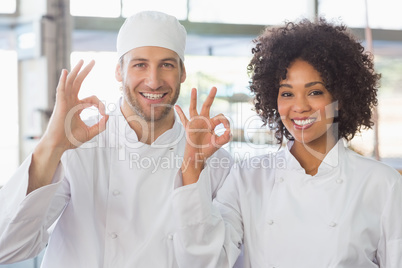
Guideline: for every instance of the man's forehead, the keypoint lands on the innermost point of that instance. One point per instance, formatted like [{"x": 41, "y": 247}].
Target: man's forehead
[{"x": 151, "y": 53}]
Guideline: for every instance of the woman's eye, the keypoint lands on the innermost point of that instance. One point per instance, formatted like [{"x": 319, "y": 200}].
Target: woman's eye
[
  {"x": 316, "y": 92},
  {"x": 286, "y": 94}
]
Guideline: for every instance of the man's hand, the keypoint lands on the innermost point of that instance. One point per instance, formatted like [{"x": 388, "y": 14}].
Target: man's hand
[
  {"x": 201, "y": 139},
  {"x": 65, "y": 130}
]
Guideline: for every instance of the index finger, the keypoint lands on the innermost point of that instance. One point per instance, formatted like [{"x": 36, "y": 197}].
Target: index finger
[
  {"x": 81, "y": 76},
  {"x": 208, "y": 102},
  {"x": 73, "y": 74},
  {"x": 193, "y": 103}
]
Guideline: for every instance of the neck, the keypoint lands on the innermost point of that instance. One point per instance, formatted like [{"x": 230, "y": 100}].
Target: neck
[{"x": 311, "y": 155}]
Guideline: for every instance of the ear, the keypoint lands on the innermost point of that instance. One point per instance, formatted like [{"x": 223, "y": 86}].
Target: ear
[
  {"x": 183, "y": 74},
  {"x": 118, "y": 73}
]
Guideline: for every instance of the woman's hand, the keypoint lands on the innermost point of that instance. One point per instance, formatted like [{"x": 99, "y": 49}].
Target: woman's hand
[{"x": 201, "y": 139}]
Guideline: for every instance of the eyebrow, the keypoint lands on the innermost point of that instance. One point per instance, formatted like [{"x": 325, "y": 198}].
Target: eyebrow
[
  {"x": 313, "y": 84},
  {"x": 138, "y": 59},
  {"x": 170, "y": 59},
  {"x": 306, "y": 85}
]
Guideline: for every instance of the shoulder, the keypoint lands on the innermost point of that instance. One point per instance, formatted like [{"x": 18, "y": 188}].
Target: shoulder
[
  {"x": 269, "y": 161},
  {"x": 221, "y": 153},
  {"x": 254, "y": 172},
  {"x": 221, "y": 159},
  {"x": 370, "y": 168}
]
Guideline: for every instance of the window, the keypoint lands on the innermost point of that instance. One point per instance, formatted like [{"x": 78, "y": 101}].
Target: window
[
  {"x": 389, "y": 115},
  {"x": 116, "y": 8},
  {"x": 8, "y": 6},
  {"x": 264, "y": 12},
  {"x": 106, "y": 88},
  {"x": 233, "y": 99},
  {"x": 381, "y": 13},
  {"x": 389, "y": 107},
  {"x": 9, "y": 115},
  {"x": 95, "y": 8},
  {"x": 177, "y": 8}
]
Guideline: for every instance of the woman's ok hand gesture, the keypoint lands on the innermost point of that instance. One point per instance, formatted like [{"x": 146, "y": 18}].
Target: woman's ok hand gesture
[{"x": 201, "y": 139}]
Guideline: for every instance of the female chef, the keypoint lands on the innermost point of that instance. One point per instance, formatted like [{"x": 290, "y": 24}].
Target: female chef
[{"x": 324, "y": 205}]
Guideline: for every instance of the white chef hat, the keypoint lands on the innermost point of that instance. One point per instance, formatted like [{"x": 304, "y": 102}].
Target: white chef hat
[{"x": 151, "y": 28}]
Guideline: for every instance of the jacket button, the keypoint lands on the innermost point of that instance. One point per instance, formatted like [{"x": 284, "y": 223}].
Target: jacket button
[
  {"x": 339, "y": 181},
  {"x": 332, "y": 224},
  {"x": 113, "y": 235}
]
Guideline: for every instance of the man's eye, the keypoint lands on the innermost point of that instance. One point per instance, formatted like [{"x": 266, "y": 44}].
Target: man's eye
[{"x": 168, "y": 65}]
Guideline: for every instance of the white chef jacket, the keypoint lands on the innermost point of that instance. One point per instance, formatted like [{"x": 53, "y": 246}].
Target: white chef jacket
[
  {"x": 348, "y": 215},
  {"x": 112, "y": 199}
]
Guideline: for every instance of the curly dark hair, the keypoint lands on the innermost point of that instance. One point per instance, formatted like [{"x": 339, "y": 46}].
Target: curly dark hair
[{"x": 346, "y": 69}]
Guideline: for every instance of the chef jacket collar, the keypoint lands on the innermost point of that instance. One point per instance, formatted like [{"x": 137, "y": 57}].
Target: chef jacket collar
[{"x": 330, "y": 161}]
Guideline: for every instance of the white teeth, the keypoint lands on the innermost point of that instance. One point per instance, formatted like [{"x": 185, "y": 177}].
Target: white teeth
[
  {"x": 304, "y": 122},
  {"x": 152, "y": 96}
]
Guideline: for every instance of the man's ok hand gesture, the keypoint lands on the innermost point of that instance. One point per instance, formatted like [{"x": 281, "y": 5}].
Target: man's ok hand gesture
[{"x": 65, "y": 130}]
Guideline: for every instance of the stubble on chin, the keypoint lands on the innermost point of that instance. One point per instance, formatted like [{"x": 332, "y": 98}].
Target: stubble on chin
[{"x": 156, "y": 113}]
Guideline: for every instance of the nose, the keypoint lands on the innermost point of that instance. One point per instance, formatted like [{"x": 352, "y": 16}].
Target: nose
[
  {"x": 301, "y": 105},
  {"x": 154, "y": 78}
]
